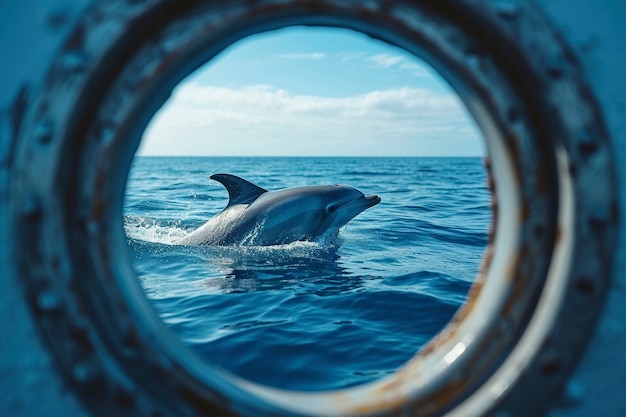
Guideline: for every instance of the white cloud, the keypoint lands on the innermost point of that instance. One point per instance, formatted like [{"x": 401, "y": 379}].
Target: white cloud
[
  {"x": 385, "y": 60},
  {"x": 263, "y": 120},
  {"x": 350, "y": 56},
  {"x": 312, "y": 56},
  {"x": 416, "y": 69}
]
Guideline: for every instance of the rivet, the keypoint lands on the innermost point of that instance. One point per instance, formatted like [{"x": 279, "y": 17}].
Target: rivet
[
  {"x": 555, "y": 68},
  {"x": 473, "y": 60},
  {"x": 43, "y": 131},
  {"x": 31, "y": 209},
  {"x": 74, "y": 61},
  {"x": 79, "y": 334},
  {"x": 131, "y": 339},
  {"x": 88, "y": 226},
  {"x": 584, "y": 285},
  {"x": 507, "y": 9},
  {"x": 49, "y": 301},
  {"x": 105, "y": 131},
  {"x": 551, "y": 366},
  {"x": 573, "y": 395},
  {"x": 512, "y": 115},
  {"x": 56, "y": 19},
  {"x": 123, "y": 398},
  {"x": 598, "y": 217},
  {"x": 84, "y": 372},
  {"x": 586, "y": 142}
]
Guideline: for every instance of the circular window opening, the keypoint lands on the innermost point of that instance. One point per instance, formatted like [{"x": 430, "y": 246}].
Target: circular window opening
[{"x": 309, "y": 107}]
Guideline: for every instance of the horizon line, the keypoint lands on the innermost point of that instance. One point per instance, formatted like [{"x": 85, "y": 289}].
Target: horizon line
[{"x": 310, "y": 156}]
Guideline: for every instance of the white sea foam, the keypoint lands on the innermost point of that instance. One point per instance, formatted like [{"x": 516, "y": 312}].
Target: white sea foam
[{"x": 151, "y": 230}]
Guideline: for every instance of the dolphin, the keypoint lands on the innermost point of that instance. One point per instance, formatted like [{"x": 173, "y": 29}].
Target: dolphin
[{"x": 255, "y": 216}]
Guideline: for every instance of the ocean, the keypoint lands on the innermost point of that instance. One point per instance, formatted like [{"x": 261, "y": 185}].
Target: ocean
[{"x": 311, "y": 315}]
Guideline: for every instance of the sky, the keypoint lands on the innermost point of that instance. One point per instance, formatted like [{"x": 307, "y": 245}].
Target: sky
[{"x": 313, "y": 92}]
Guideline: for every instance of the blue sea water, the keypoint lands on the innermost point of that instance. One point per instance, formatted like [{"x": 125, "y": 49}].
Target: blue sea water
[{"x": 309, "y": 316}]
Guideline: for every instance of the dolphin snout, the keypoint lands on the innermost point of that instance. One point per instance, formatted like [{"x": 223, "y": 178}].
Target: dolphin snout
[{"x": 372, "y": 200}]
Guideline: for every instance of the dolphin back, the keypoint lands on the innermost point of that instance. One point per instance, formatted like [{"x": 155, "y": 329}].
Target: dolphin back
[{"x": 239, "y": 190}]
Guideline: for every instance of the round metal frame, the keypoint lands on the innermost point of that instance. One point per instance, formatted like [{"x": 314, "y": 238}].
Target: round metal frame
[{"x": 509, "y": 349}]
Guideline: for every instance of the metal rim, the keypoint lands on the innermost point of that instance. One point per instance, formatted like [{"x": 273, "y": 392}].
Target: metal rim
[{"x": 550, "y": 254}]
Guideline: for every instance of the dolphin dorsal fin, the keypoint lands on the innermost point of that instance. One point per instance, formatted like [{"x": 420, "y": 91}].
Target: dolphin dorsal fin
[{"x": 239, "y": 190}]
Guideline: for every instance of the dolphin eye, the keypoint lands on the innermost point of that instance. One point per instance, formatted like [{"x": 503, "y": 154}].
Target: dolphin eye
[{"x": 331, "y": 208}]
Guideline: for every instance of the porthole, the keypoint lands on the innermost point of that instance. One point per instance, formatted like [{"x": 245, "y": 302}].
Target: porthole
[
  {"x": 324, "y": 308},
  {"x": 551, "y": 245}
]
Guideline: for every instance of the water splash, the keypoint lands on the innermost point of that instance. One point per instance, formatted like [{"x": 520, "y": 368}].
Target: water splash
[
  {"x": 153, "y": 230},
  {"x": 169, "y": 232},
  {"x": 250, "y": 238},
  {"x": 217, "y": 228}
]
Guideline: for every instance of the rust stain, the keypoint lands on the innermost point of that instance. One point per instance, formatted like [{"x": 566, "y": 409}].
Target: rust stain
[
  {"x": 519, "y": 280},
  {"x": 443, "y": 398},
  {"x": 494, "y": 202},
  {"x": 525, "y": 211},
  {"x": 487, "y": 258}
]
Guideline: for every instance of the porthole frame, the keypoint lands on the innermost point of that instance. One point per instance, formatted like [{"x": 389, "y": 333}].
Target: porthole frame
[{"x": 534, "y": 303}]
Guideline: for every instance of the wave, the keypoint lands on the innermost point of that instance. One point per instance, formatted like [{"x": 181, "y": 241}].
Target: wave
[{"x": 366, "y": 173}]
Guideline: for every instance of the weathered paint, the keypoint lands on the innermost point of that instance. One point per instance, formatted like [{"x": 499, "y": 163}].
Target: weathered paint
[{"x": 79, "y": 39}]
